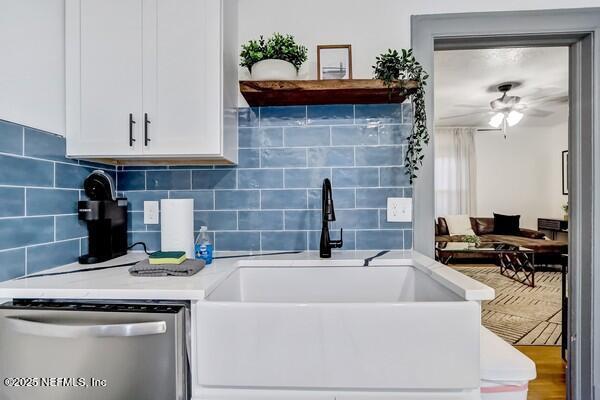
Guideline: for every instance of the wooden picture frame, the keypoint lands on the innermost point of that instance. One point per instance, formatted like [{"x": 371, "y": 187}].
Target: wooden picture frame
[
  {"x": 565, "y": 172},
  {"x": 348, "y": 74}
]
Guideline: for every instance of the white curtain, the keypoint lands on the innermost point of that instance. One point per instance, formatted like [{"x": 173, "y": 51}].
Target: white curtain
[{"x": 455, "y": 171}]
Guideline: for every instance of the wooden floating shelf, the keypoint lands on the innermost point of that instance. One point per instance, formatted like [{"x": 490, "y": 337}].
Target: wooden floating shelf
[{"x": 334, "y": 91}]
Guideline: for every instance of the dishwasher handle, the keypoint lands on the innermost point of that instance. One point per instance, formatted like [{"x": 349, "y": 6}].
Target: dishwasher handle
[{"x": 45, "y": 329}]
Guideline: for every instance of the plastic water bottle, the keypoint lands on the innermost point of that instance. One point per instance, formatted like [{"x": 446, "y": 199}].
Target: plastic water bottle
[{"x": 203, "y": 246}]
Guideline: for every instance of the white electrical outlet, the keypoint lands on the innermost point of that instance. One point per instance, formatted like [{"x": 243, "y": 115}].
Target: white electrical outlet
[
  {"x": 399, "y": 209},
  {"x": 150, "y": 212}
]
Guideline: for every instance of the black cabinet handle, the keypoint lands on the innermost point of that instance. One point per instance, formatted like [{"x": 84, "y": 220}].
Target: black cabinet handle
[
  {"x": 146, "y": 123},
  {"x": 131, "y": 122}
]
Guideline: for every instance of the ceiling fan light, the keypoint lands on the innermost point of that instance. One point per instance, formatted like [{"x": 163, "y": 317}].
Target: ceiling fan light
[
  {"x": 496, "y": 120},
  {"x": 514, "y": 117}
]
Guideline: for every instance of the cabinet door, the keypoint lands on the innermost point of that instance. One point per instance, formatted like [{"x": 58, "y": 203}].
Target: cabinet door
[
  {"x": 104, "y": 58},
  {"x": 182, "y": 81}
]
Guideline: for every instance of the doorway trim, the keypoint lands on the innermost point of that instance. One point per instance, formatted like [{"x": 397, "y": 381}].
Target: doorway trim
[{"x": 580, "y": 30}]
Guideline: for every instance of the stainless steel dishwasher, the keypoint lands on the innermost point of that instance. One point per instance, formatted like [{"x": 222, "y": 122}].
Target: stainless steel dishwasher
[{"x": 92, "y": 351}]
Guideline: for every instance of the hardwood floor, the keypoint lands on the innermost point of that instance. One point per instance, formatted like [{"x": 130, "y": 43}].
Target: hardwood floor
[{"x": 550, "y": 382}]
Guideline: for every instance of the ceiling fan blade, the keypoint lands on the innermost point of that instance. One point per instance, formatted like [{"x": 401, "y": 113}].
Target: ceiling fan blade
[
  {"x": 471, "y": 114},
  {"x": 562, "y": 99},
  {"x": 472, "y": 106},
  {"x": 536, "y": 112}
]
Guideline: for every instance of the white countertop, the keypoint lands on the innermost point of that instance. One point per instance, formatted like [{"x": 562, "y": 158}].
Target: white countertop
[{"x": 117, "y": 283}]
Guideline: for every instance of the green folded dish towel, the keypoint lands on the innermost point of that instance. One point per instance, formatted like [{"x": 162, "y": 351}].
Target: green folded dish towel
[{"x": 187, "y": 268}]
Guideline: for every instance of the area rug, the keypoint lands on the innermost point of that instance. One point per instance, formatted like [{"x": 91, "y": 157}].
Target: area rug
[{"x": 519, "y": 314}]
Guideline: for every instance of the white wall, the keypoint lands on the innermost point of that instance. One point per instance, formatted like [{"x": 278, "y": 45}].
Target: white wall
[
  {"x": 32, "y": 40},
  {"x": 371, "y": 26},
  {"x": 32, "y": 76},
  {"x": 522, "y": 173}
]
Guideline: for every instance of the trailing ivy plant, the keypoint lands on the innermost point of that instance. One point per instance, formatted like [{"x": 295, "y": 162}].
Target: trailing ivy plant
[
  {"x": 278, "y": 46},
  {"x": 391, "y": 67}
]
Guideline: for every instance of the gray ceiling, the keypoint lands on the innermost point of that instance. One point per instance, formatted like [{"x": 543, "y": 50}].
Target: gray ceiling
[{"x": 465, "y": 82}]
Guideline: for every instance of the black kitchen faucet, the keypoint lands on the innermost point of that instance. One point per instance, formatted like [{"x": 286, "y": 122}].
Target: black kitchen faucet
[{"x": 328, "y": 214}]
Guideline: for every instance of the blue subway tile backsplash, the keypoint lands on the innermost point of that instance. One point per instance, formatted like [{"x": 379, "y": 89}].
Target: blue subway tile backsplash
[
  {"x": 260, "y": 137},
  {"x": 356, "y": 177},
  {"x": 331, "y": 156},
  {"x": 283, "y": 157},
  {"x": 248, "y": 117},
  {"x": 354, "y": 135},
  {"x": 166, "y": 180},
  {"x": 11, "y": 138},
  {"x": 132, "y": 180},
  {"x": 283, "y": 199},
  {"x": 289, "y": 240},
  {"x": 260, "y": 220},
  {"x": 51, "y": 201},
  {"x": 260, "y": 178},
  {"x": 305, "y": 177},
  {"x": 306, "y": 136},
  {"x": 203, "y": 199},
  {"x": 39, "y": 144},
  {"x": 237, "y": 199},
  {"x": 22, "y": 232},
  {"x": 18, "y": 171},
  {"x": 39, "y": 190},
  {"x": 379, "y": 156},
  {"x": 374, "y": 239},
  {"x": 249, "y": 158},
  {"x": 12, "y": 202},
  {"x": 282, "y": 116},
  {"x": 52, "y": 254},
  {"x": 214, "y": 179},
  {"x": 376, "y": 197},
  {"x": 272, "y": 199},
  {"x": 303, "y": 220},
  {"x": 217, "y": 220},
  {"x": 72, "y": 176},
  {"x": 69, "y": 227},
  {"x": 343, "y": 198},
  {"x": 237, "y": 240},
  {"x": 330, "y": 114},
  {"x": 379, "y": 113},
  {"x": 12, "y": 264}
]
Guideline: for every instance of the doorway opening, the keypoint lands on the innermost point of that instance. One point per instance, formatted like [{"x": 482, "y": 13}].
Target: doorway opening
[
  {"x": 501, "y": 200},
  {"x": 575, "y": 29}
]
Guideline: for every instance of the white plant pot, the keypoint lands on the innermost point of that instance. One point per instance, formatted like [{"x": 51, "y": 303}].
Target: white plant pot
[{"x": 273, "y": 70}]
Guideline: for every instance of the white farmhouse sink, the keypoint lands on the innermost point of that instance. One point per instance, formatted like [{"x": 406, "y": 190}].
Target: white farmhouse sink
[
  {"x": 329, "y": 285},
  {"x": 342, "y": 328}
]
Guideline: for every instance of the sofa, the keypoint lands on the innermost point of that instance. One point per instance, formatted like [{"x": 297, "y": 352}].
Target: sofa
[{"x": 546, "y": 251}]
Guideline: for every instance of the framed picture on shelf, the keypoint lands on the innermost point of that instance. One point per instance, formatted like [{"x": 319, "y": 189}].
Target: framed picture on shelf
[
  {"x": 334, "y": 61},
  {"x": 565, "y": 172}
]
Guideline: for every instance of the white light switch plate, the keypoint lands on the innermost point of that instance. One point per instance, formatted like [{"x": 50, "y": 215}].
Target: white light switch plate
[
  {"x": 399, "y": 209},
  {"x": 150, "y": 212}
]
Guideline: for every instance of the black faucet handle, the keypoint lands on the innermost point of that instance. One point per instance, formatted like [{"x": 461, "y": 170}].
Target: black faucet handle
[{"x": 337, "y": 244}]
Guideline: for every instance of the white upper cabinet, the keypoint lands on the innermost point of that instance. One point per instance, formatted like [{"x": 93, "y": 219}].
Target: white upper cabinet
[
  {"x": 107, "y": 84},
  {"x": 152, "y": 80}
]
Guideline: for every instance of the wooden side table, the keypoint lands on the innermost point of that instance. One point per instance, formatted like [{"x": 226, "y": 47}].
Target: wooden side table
[{"x": 553, "y": 225}]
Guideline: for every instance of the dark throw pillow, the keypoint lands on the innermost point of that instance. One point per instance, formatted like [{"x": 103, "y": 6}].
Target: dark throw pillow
[{"x": 506, "y": 224}]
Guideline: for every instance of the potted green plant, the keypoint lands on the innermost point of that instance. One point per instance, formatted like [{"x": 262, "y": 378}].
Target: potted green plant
[
  {"x": 276, "y": 58},
  {"x": 472, "y": 240},
  {"x": 391, "y": 67}
]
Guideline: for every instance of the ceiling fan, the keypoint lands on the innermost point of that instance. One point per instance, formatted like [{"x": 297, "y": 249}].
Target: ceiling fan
[{"x": 508, "y": 110}]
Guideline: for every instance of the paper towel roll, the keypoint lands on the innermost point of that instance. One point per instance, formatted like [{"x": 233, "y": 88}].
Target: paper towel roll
[{"x": 177, "y": 225}]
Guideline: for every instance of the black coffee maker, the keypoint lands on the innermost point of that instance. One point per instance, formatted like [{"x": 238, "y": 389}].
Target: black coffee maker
[{"x": 106, "y": 218}]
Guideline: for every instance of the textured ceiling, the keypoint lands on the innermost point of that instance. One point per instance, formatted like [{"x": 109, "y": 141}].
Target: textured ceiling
[{"x": 465, "y": 82}]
